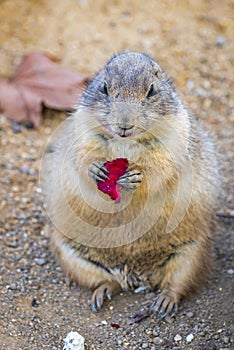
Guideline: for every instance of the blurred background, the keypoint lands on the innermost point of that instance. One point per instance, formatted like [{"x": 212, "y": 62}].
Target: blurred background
[
  {"x": 191, "y": 39},
  {"x": 84, "y": 33}
]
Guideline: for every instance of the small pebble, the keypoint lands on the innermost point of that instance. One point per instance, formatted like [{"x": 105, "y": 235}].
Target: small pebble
[
  {"x": 104, "y": 322},
  {"x": 144, "y": 345},
  {"x": 35, "y": 303},
  {"x": 25, "y": 200},
  {"x": 221, "y": 41},
  {"x": 155, "y": 333},
  {"x": 177, "y": 338},
  {"x": 25, "y": 169},
  {"x": 13, "y": 286},
  {"x": 13, "y": 244},
  {"x": 226, "y": 340},
  {"x": 73, "y": 341},
  {"x": 190, "y": 84},
  {"x": 16, "y": 127},
  {"x": 230, "y": 271},
  {"x": 189, "y": 338},
  {"x": 189, "y": 314},
  {"x": 157, "y": 341},
  {"x": 6, "y": 181},
  {"x": 118, "y": 342},
  {"x": 40, "y": 261},
  {"x": 200, "y": 92}
]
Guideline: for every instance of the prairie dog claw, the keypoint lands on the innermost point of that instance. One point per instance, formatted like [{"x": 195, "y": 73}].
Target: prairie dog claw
[
  {"x": 131, "y": 179},
  {"x": 104, "y": 291},
  {"x": 98, "y": 172},
  {"x": 165, "y": 304}
]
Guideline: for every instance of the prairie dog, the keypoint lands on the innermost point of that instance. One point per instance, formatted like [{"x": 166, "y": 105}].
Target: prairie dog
[{"x": 159, "y": 236}]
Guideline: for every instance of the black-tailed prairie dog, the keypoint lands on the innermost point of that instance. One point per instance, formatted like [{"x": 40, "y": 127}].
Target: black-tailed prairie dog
[{"x": 158, "y": 235}]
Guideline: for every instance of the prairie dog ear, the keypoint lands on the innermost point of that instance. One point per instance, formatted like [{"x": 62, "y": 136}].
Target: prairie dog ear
[
  {"x": 157, "y": 71},
  {"x": 158, "y": 74}
]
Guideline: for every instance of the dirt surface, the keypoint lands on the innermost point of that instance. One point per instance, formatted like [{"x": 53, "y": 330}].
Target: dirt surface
[{"x": 193, "y": 42}]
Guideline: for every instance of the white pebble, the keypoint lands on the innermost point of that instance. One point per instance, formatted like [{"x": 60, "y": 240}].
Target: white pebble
[
  {"x": 189, "y": 338},
  {"x": 104, "y": 322},
  {"x": 40, "y": 261},
  {"x": 230, "y": 271},
  {"x": 177, "y": 337},
  {"x": 73, "y": 341},
  {"x": 190, "y": 84}
]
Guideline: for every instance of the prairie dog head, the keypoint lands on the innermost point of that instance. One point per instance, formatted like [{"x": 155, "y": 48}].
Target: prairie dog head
[{"x": 130, "y": 96}]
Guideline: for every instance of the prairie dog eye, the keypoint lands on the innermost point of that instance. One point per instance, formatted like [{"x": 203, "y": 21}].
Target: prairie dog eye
[
  {"x": 104, "y": 89},
  {"x": 152, "y": 91}
]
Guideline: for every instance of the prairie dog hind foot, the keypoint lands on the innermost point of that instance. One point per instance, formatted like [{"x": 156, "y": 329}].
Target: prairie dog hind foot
[{"x": 105, "y": 291}]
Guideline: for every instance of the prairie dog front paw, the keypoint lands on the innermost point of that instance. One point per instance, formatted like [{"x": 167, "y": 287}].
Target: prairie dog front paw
[
  {"x": 98, "y": 172},
  {"x": 131, "y": 179}
]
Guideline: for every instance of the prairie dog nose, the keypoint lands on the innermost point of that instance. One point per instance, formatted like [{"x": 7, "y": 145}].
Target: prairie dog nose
[{"x": 125, "y": 127}]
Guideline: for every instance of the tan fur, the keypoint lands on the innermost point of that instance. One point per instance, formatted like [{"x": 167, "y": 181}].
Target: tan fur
[{"x": 176, "y": 197}]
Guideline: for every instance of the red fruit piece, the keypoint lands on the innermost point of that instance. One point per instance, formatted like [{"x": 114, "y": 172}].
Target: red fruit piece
[
  {"x": 116, "y": 168},
  {"x": 115, "y": 325}
]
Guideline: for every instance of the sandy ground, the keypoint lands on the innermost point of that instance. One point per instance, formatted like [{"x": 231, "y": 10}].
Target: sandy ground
[{"x": 193, "y": 42}]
